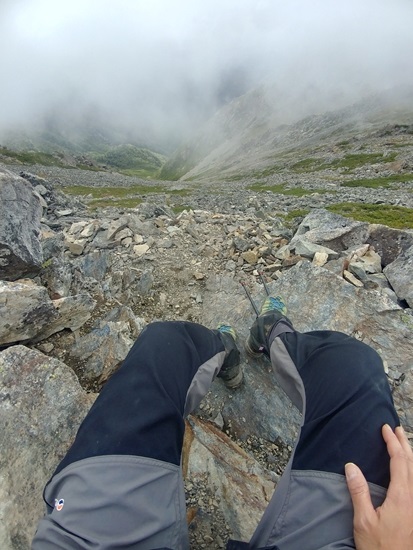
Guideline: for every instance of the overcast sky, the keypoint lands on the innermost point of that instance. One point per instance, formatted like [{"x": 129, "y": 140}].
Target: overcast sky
[{"x": 166, "y": 64}]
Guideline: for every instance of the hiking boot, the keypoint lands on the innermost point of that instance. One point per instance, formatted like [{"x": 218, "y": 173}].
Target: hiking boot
[
  {"x": 273, "y": 311},
  {"x": 231, "y": 372}
]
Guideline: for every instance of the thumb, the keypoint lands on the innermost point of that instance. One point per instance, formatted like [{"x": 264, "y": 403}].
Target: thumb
[{"x": 359, "y": 491}]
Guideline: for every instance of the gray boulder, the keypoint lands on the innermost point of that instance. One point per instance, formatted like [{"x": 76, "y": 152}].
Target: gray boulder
[
  {"x": 103, "y": 349},
  {"x": 388, "y": 242},
  {"x": 57, "y": 277},
  {"x": 307, "y": 249},
  {"x": 320, "y": 300},
  {"x": 28, "y": 314},
  {"x": 72, "y": 313},
  {"x": 25, "y": 310},
  {"x": 52, "y": 244},
  {"x": 403, "y": 396},
  {"x": 331, "y": 230},
  {"x": 94, "y": 265},
  {"x": 41, "y": 408},
  {"x": 20, "y": 214},
  {"x": 400, "y": 275}
]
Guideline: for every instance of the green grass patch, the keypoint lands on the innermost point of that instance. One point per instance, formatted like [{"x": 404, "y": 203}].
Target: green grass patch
[
  {"x": 267, "y": 172},
  {"x": 116, "y": 203},
  {"x": 370, "y": 183},
  {"x": 122, "y": 192},
  {"x": 384, "y": 182},
  {"x": 392, "y": 216},
  {"x": 178, "y": 208},
  {"x": 308, "y": 165},
  {"x": 355, "y": 160},
  {"x": 31, "y": 157},
  {"x": 140, "y": 173},
  {"x": 293, "y": 214},
  {"x": 129, "y": 157},
  {"x": 86, "y": 167},
  {"x": 237, "y": 177},
  {"x": 44, "y": 159},
  {"x": 349, "y": 162},
  {"x": 400, "y": 145},
  {"x": 282, "y": 190}
]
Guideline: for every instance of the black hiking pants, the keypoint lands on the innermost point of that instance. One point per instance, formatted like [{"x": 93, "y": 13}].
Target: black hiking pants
[{"x": 120, "y": 484}]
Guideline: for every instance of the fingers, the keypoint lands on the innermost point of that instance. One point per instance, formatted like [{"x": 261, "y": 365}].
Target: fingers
[
  {"x": 359, "y": 492},
  {"x": 397, "y": 442},
  {"x": 401, "y": 460},
  {"x": 404, "y": 442}
]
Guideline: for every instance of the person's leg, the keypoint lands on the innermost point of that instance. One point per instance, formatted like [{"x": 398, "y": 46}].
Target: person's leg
[
  {"x": 120, "y": 484},
  {"x": 339, "y": 385}
]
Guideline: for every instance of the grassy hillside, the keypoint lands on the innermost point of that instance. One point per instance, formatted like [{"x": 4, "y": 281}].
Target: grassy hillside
[
  {"x": 131, "y": 160},
  {"x": 126, "y": 159}
]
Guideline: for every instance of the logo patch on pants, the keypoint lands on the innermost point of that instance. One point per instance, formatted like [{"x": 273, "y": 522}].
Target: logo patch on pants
[{"x": 59, "y": 503}]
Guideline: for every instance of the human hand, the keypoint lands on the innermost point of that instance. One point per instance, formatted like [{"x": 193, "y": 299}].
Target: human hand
[{"x": 390, "y": 526}]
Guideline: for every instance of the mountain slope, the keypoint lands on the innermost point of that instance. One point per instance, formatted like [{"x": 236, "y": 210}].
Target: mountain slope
[{"x": 252, "y": 134}]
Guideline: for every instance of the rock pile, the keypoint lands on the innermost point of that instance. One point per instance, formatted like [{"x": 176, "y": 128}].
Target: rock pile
[{"x": 76, "y": 289}]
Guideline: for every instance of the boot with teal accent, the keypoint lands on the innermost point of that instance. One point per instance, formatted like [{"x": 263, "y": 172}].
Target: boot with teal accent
[
  {"x": 273, "y": 311},
  {"x": 231, "y": 372}
]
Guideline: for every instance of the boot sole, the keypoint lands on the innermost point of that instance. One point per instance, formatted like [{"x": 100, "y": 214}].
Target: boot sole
[
  {"x": 235, "y": 382},
  {"x": 251, "y": 352}
]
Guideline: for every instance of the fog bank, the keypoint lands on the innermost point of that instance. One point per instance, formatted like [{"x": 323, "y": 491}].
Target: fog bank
[{"x": 158, "y": 69}]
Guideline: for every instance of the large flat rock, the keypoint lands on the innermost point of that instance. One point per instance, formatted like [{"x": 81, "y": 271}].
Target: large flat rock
[
  {"x": 317, "y": 299},
  {"x": 234, "y": 478},
  {"x": 41, "y": 408}
]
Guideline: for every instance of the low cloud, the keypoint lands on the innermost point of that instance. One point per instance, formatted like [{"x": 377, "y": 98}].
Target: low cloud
[{"x": 159, "y": 68}]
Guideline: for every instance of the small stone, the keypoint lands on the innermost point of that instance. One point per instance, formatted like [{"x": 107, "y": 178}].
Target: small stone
[
  {"x": 291, "y": 260},
  {"x": 358, "y": 270},
  {"x": 199, "y": 276},
  {"x": 283, "y": 253},
  {"x": 320, "y": 259},
  {"x": 76, "y": 248},
  {"x": 124, "y": 233},
  {"x": 89, "y": 230},
  {"x": 361, "y": 250},
  {"x": 352, "y": 279},
  {"x": 145, "y": 283},
  {"x": 77, "y": 227},
  {"x": 372, "y": 262},
  {"x": 46, "y": 347},
  {"x": 115, "y": 227},
  {"x": 166, "y": 243},
  {"x": 250, "y": 256},
  {"x": 62, "y": 213},
  {"x": 272, "y": 267},
  {"x": 138, "y": 239},
  {"x": 41, "y": 189},
  {"x": 219, "y": 421},
  {"x": 230, "y": 265},
  {"x": 140, "y": 249},
  {"x": 171, "y": 229}
]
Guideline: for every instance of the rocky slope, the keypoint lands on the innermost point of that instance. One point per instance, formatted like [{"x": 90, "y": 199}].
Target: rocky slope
[
  {"x": 78, "y": 285},
  {"x": 258, "y": 135}
]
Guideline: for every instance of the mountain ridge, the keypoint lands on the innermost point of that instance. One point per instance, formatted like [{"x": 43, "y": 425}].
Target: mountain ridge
[{"x": 247, "y": 134}]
